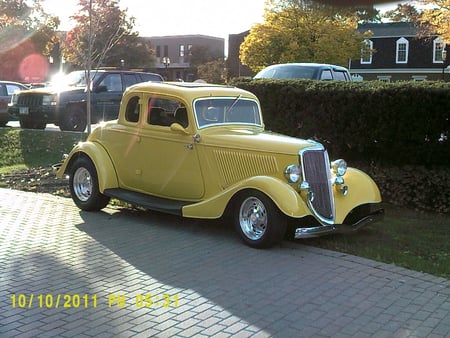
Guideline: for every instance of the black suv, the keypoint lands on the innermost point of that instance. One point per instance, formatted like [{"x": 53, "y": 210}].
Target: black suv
[{"x": 64, "y": 102}]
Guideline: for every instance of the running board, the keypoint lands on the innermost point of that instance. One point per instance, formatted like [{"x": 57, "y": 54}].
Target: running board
[{"x": 148, "y": 202}]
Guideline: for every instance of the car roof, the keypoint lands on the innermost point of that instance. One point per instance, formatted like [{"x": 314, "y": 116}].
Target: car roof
[
  {"x": 307, "y": 64},
  {"x": 190, "y": 89}
]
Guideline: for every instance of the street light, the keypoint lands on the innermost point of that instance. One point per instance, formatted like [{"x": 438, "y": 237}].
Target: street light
[{"x": 166, "y": 63}]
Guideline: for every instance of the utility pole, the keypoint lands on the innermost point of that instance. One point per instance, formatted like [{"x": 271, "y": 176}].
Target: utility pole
[{"x": 88, "y": 77}]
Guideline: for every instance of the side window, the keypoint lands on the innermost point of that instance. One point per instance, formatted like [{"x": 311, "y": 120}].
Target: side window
[
  {"x": 3, "y": 90},
  {"x": 129, "y": 80},
  {"x": 340, "y": 76},
  {"x": 151, "y": 77},
  {"x": 133, "y": 110},
  {"x": 112, "y": 82},
  {"x": 11, "y": 89},
  {"x": 326, "y": 75},
  {"x": 164, "y": 112}
]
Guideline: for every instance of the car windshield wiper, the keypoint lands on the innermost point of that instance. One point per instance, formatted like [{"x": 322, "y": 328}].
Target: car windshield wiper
[{"x": 233, "y": 104}]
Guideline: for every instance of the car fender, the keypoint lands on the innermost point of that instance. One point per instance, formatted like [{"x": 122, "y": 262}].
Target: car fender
[
  {"x": 280, "y": 192},
  {"x": 361, "y": 190},
  {"x": 107, "y": 177}
]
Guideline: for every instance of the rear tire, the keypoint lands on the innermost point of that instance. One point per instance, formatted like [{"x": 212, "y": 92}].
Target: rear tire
[
  {"x": 84, "y": 188},
  {"x": 258, "y": 220}
]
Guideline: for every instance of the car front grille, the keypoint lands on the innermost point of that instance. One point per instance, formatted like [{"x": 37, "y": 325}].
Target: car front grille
[
  {"x": 29, "y": 100},
  {"x": 316, "y": 171}
]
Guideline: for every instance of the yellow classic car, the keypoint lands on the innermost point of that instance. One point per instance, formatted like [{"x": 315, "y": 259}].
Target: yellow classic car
[{"x": 201, "y": 150}]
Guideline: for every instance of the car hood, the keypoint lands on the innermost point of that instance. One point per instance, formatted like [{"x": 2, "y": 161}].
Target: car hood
[
  {"x": 254, "y": 140},
  {"x": 53, "y": 90}
]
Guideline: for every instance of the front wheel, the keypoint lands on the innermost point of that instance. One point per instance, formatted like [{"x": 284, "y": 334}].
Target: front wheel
[
  {"x": 28, "y": 123},
  {"x": 84, "y": 189},
  {"x": 258, "y": 220},
  {"x": 74, "y": 119}
]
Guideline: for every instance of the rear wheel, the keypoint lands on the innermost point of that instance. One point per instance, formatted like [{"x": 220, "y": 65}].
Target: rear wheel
[
  {"x": 74, "y": 119},
  {"x": 258, "y": 220},
  {"x": 84, "y": 188}
]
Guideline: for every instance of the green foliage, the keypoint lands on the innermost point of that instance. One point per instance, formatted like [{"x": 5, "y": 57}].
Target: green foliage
[
  {"x": 400, "y": 128},
  {"x": 213, "y": 72},
  {"x": 302, "y": 31}
]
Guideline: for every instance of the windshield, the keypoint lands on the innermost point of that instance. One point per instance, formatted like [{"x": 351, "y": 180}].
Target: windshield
[
  {"x": 73, "y": 79},
  {"x": 224, "y": 111},
  {"x": 288, "y": 72}
]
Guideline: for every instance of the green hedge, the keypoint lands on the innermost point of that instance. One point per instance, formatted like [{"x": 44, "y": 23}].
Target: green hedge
[
  {"x": 390, "y": 123},
  {"x": 396, "y": 132}
]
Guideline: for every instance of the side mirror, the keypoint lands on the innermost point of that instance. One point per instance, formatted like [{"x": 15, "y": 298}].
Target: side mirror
[{"x": 101, "y": 89}]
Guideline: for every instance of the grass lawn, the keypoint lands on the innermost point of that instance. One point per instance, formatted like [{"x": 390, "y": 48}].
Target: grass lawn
[{"x": 416, "y": 240}]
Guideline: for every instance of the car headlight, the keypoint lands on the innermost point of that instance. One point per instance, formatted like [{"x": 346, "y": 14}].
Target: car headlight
[
  {"x": 49, "y": 100},
  {"x": 339, "y": 167},
  {"x": 14, "y": 99},
  {"x": 293, "y": 173}
]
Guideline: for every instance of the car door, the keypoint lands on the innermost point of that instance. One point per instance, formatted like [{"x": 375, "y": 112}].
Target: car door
[
  {"x": 169, "y": 164},
  {"x": 107, "y": 96}
]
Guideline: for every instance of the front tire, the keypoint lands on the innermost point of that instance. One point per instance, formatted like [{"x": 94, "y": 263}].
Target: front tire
[
  {"x": 74, "y": 119},
  {"x": 258, "y": 220},
  {"x": 84, "y": 188},
  {"x": 27, "y": 123}
]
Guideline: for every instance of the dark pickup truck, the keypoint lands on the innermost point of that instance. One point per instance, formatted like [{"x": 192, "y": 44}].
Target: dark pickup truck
[{"x": 64, "y": 104}]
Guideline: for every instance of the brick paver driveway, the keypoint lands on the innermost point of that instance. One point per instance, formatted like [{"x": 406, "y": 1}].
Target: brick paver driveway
[{"x": 66, "y": 273}]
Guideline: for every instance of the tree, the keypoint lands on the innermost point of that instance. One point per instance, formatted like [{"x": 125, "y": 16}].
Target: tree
[
  {"x": 403, "y": 13},
  {"x": 113, "y": 38},
  {"x": 437, "y": 19},
  {"x": 302, "y": 31},
  {"x": 213, "y": 72},
  {"x": 24, "y": 43}
]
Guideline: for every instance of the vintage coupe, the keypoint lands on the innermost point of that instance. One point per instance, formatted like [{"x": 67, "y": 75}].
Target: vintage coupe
[{"x": 201, "y": 151}]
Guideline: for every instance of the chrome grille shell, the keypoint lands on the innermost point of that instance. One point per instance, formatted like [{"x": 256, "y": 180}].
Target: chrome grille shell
[{"x": 316, "y": 172}]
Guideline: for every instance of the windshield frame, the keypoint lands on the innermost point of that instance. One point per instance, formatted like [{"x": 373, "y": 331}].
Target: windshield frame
[{"x": 226, "y": 110}]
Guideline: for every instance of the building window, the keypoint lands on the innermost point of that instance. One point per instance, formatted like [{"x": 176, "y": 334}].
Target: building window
[
  {"x": 366, "y": 52},
  {"x": 158, "y": 51},
  {"x": 189, "y": 49},
  {"x": 419, "y": 78},
  {"x": 181, "y": 50},
  {"x": 166, "y": 50},
  {"x": 402, "y": 51},
  {"x": 384, "y": 78},
  {"x": 438, "y": 51}
]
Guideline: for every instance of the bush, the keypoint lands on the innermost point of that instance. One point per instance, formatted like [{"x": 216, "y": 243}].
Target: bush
[{"x": 396, "y": 132}]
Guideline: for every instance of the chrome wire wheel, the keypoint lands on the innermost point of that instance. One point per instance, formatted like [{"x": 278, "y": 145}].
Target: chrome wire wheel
[
  {"x": 82, "y": 184},
  {"x": 253, "y": 218}
]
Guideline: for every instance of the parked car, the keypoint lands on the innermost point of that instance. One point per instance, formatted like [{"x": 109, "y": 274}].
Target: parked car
[
  {"x": 64, "y": 102},
  {"x": 201, "y": 151},
  {"x": 7, "y": 89},
  {"x": 313, "y": 71}
]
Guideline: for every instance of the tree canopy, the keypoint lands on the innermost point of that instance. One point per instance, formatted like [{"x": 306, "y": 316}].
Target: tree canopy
[
  {"x": 25, "y": 32},
  {"x": 437, "y": 18},
  {"x": 303, "y": 31},
  {"x": 113, "y": 38}
]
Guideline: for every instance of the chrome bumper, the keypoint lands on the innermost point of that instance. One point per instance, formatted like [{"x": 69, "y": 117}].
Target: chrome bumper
[{"x": 317, "y": 231}]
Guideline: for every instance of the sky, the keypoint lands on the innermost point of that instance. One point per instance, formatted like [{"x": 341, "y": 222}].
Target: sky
[{"x": 217, "y": 18}]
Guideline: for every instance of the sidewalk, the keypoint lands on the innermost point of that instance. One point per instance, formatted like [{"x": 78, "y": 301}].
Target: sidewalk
[{"x": 124, "y": 273}]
